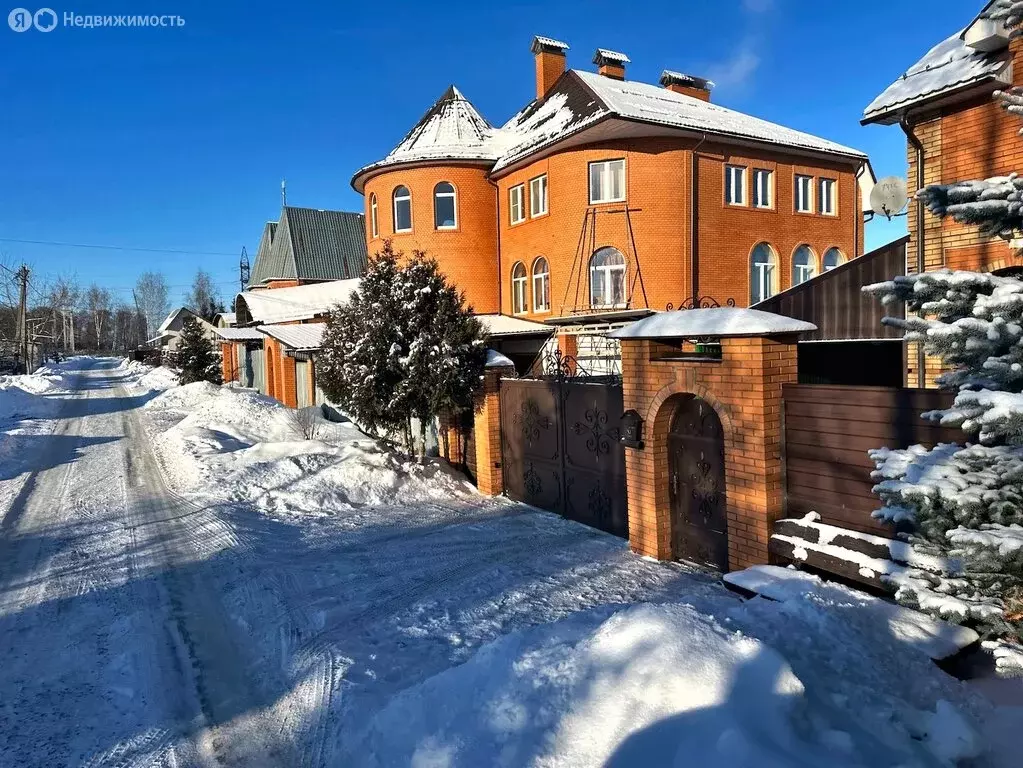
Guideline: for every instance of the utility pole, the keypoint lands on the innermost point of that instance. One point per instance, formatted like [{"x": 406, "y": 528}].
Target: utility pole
[{"x": 22, "y": 278}]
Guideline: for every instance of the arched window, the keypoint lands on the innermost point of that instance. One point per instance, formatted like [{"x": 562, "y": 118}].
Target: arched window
[
  {"x": 541, "y": 285},
  {"x": 763, "y": 273},
  {"x": 832, "y": 258},
  {"x": 445, "y": 209},
  {"x": 373, "y": 215},
  {"x": 402, "y": 209},
  {"x": 518, "y": 288},
  {"x": 607, "y": 278},
  {"x": 804, "y": 264}
]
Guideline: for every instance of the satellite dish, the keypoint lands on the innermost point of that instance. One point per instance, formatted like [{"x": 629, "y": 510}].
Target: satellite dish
[{"x": 889, "y": 196}]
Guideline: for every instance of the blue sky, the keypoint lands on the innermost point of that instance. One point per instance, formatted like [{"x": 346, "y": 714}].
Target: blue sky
[{"x": 178, "y": 138}]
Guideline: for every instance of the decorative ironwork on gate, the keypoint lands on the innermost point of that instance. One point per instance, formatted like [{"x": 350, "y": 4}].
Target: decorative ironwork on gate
[
  {"x": 698, "y": 302},
  {"x": 604, "y": 364},
  {"x": 560, "y": 445}
]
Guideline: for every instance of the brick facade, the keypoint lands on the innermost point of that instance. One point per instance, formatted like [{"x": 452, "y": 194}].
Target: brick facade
[
  {"x": 487, "y": 433},
  {"x": 745, "y": 390},
  {"x": 974, "y": 139}
]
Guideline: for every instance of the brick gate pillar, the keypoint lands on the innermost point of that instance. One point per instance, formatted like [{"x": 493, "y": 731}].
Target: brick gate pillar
[
  {"x": 742, "y": 380},
  {"x": 487, "y": 432}
]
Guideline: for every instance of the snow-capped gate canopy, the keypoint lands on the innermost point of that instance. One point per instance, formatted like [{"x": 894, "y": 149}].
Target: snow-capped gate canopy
[{"x": 714, "y": 322}]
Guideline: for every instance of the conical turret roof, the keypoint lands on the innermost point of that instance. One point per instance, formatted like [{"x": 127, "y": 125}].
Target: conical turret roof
[{"x": 452, "y": 129}]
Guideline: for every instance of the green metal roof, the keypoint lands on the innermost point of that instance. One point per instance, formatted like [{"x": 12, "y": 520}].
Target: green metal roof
[{"x": 310, "y": 244}]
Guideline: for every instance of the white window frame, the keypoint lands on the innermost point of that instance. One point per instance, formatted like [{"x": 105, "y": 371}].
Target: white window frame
[
  {"x": 605, "y": 170},
  {"x": 374, "y": 228},
  {"x": 765, "y": 275},
  {"x": 735, "y": 185},
  {"x": 394, "y": 205},
  {"x": 538, "y": 192},
  {"x": 607, "y": 300},
  {"x": 803, "y": 204},
  {"x": 767, "y": 175},
  {"x": 453, "y": 194},
  {"x": 519, "y": 289},
  {"x": 516, "y": 204},
  {"x": 807, "y": 272},
  {"x": 828, "y": 202},
  {"x": 542, "y": 298}
]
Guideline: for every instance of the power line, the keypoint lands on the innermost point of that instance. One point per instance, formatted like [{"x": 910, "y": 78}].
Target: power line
[{"x": 114, "y": 247}]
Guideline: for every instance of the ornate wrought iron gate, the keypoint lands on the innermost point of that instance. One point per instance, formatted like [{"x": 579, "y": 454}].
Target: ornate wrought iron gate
[
  {"x": 696, "y": 464},
  {"x": 560, "y": 447}
]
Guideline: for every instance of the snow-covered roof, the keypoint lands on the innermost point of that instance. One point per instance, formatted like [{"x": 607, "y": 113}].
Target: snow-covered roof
[
  {"x": 496, "y": 360},
  {"x": 238, "y": 334},
  {"x": 303, "y": 302},
  {"x": 453, "y": 130},
  {"x": 169, "y": 320},
  {"x": 505, "y": 325},
  {"x": 603, "y": 54},
  {"x": 715, "y": 322},
  {"x": 304, "y": 337},
  {"x": 949, "y": 66},
  {"x": 228, "y": 318}
]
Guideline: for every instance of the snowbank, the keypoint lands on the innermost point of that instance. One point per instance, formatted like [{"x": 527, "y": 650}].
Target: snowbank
[
  {"x": 146, "y": 377},
  {"x": 255, "y": 450},
  {"x": 32, "y": 395},
  {"x": 649, "y": 685}
]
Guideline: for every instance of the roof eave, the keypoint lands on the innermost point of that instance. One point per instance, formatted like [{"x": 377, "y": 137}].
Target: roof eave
[
  {"x": 964, "y": 91},
  {"x": 364, "y": 174}
]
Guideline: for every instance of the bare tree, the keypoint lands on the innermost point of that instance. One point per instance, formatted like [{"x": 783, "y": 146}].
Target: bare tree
[
  {"x": 97, "y": 303},
  {"x": 307, "y": 422},
  {"x": 203, "y": 299},
  {"x": 151, "y": 294},
  {"x": 64, "y": 297}
]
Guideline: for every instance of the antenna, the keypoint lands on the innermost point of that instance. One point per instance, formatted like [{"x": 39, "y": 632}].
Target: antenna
[
  {"x": 284, "y": 192},
  {"x": 243, "y": 269},
  {"x": 889, "y": 196}
]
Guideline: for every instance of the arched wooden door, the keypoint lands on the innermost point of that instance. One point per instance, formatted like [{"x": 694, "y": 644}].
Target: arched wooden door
[{"x": 696, "y": 477}]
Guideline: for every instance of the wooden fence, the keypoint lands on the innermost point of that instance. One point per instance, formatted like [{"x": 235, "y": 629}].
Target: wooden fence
[{"x": 828, "y": 431}]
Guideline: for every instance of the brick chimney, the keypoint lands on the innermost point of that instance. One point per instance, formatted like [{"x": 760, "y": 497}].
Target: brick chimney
[
  {"x": 549, "y": 55},
  {"x": 690, "y": 85},
  {"x": 610, "y": 63}
]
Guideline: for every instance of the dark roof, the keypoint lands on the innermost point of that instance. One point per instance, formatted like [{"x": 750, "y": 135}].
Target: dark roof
[
  {"x": 835, "y": 303},
  {"x": 310, "y": 244},
  {"x": 266, "y": 241}
]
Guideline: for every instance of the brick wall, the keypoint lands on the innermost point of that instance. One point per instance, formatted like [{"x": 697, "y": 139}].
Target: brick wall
[
  {"x": 658, "y": 180},
  {"x": 487, "y": 433},
  {"x": 467, "y": 254},
  {"x": 745, "y": 389}
]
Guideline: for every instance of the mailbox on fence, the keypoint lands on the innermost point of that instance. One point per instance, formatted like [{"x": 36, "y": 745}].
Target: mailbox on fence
[{"x": 631, "y": 430}]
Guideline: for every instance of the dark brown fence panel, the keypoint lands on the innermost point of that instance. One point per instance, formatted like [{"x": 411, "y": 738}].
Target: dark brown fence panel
[{"x": 828, "y": 431}]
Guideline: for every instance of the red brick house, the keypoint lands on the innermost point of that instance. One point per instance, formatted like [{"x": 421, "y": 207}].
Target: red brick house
[
  {"x": 955, "y": 131},
  {"x": 605, "y": 199},
  {"x": 307, "y": 261}
]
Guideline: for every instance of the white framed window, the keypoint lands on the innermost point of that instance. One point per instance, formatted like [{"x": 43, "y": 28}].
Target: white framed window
[
  {"x": 735, "y": 184},
  {"x": 804, "y": 193},
  {"x": 763, "y": 273},
  {"x": 445, "y": 206},
  {"x": 826, "y": 196},
  {"x": 607, "y": 278},
  {"x": 518, "y": 278},
  {"x": 373, "y": 215},
  {"x": 763, "y": 188},
  {"x": 538, "y": 196},
  {"x": 402, "y": 209},
  {"x": 516, "y": 210},
  {"x": 607, "y": 181},
  {"x": 804, "y": 264},
  {"x": 541, "y": 285},
  {"x": 833, "y": 258}
]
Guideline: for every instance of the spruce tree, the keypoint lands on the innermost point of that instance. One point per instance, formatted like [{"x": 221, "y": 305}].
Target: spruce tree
[
  {"x": 405, "y": 347},
  {"x": 965, "y": 501},
  {"x": 196, "y": 356}
]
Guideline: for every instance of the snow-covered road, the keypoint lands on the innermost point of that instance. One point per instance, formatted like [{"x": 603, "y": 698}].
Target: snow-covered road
[{"x": 188, "y": 584}]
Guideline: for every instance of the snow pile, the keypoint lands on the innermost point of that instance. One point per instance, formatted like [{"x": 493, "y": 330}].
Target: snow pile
[
  {"x": 31, "y": 396},
  {"x": 146, "y": 377},
  {"x": 255, "y": 449},
  {"x": 649, "y": 685}
]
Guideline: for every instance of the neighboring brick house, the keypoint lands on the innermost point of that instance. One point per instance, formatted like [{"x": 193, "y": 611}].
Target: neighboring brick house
[
  {"x": 604, "y": 200},
  {"x": 307, "y": 262},
  {"x": 955, "y": 131}
]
